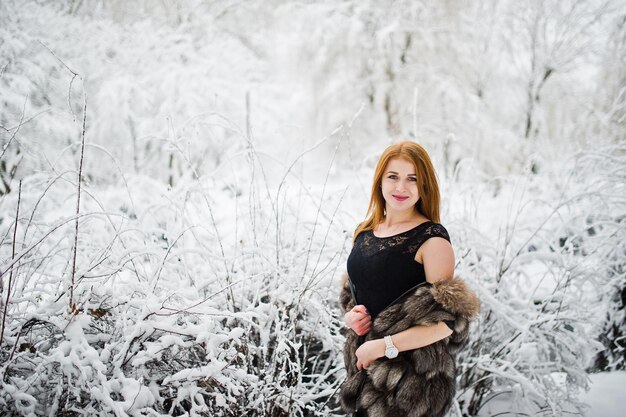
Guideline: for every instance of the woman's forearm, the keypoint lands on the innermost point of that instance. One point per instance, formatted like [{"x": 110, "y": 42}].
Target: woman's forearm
[
  {"x": 419, "y": 336},
  {"x": 412, "y": 338},
  {"x": 416, "y": 337}
]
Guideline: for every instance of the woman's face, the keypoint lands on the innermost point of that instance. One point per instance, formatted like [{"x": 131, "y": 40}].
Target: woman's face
[{"x": 399, "y": 185}]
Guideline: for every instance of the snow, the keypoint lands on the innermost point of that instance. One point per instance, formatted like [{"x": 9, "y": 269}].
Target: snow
[
  {"x": 229, "y": 153},
  {"x": 606, "y": 394}
]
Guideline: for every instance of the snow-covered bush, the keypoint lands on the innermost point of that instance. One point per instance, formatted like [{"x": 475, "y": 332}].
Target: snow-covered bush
[
  {"x": 547, "y": 272},
  {"x": 175, "y": 310}
]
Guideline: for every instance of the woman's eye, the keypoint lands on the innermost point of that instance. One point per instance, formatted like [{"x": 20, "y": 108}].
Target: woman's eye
[
  {"x": 412, "y": 179},
  {"x": 392, "y": 177}
]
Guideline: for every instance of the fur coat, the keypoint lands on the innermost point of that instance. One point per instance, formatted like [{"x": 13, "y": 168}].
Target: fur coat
[{"x": 420, "y": 382}]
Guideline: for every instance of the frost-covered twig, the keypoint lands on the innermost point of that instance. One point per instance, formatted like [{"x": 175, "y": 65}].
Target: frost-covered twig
[
  {"x": 319, "y": 206},
  {"x": 15, "y": 130},
  {"x": 6, "y": 303},
  {"x": 80, "y": 175},
  {"x": 74, "y": 75},
  {"x": 283, "y": 180}
]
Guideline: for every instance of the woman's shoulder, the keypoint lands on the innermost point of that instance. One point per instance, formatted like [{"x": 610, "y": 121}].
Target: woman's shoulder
[
  {"x": 426, "y": 230},
  {"x": 433, "y": 229},
  {"x": 439, "y": 252}
]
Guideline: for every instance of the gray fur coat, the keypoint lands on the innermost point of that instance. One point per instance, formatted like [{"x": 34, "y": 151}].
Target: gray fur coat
[{"x": 420, "y": 382}]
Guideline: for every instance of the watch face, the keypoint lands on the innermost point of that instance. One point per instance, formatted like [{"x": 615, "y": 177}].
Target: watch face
[{"x": 391, "y": 352}]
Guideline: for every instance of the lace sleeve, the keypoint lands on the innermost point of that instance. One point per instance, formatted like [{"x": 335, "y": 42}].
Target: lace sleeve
[
  {"x": 436, "y": 230},
  {"x": 432, "y": 230}
]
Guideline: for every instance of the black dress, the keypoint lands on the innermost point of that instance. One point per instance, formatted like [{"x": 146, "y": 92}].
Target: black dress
[{"x": 383, "y": 269}]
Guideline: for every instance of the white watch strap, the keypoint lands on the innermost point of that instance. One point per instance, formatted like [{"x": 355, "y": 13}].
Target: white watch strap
[{"x": 389, "y": 342}]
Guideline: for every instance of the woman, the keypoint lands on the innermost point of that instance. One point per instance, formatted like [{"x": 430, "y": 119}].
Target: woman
[{"x": 408, "y": 315}]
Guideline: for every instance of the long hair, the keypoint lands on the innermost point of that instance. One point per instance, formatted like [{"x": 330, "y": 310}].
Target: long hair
[{"x": 427, "y": 186}]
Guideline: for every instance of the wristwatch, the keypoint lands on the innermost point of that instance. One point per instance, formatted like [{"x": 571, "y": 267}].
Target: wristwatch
[{"x": 391, "y": 351}]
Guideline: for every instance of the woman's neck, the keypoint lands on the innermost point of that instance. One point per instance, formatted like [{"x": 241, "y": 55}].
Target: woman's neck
[{"x": 396, "y": 218}]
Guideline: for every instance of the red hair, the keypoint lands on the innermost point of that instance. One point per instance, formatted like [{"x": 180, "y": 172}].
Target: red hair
[{"x": 427, "y": 185}]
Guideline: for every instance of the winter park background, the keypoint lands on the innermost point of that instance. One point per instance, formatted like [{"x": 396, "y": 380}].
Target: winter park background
[{"x": 226, "y": 150}]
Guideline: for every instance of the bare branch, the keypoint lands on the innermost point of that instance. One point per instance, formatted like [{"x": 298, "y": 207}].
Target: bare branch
[{"x": 6, "y": 304}]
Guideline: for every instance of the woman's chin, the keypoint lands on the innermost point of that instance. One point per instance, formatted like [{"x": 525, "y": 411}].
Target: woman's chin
[{"x": 399, "y": 206}]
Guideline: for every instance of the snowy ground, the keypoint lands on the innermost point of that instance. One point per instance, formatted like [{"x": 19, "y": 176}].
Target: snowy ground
[{"x": 607, "y": 394}]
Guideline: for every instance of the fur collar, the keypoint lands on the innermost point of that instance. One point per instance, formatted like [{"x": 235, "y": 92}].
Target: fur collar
[{"x": 454, "y": 296}]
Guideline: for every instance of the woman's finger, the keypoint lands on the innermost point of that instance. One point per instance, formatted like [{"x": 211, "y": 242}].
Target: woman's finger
[
  {"x": 361, "y": 312},
  {"x": 363, "y": 330},
  {"x": 351, "y": 318},
  {"x": 359, "y": 309},
  {"x": 363, "y": 325},
  {"x": 360, "y": 317}
]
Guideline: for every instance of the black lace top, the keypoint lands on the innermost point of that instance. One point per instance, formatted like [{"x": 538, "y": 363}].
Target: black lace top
[{"x": 381, "y": 269}]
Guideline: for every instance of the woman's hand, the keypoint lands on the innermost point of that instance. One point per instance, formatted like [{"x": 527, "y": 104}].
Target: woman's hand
[
  {"x": 358, "y": 319},
  {"x": 368, "y": 352}
]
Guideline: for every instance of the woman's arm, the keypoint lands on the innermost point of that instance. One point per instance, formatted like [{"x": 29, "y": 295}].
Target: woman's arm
[
  {"x": 412, "y": 338},
  {"x": 438, "y": 259}
]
